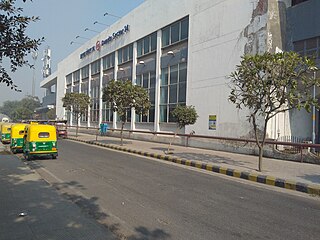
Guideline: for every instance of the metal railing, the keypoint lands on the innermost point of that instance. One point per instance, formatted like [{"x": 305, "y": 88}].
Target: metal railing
[{"x": 298, "y": 146}]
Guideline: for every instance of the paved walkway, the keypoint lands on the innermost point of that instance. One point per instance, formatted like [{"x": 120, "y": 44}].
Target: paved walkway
[
  {"x": 47, "y": 214},
  {"x": 291, "y": 172}
]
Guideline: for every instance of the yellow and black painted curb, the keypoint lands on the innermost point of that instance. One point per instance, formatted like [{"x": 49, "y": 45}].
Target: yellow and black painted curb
[{"x": 313, "y": 189}]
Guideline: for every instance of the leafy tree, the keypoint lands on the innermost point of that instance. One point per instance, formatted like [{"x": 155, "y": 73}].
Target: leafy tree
[
  {"x": 184, "y": 115},
  {"x": 78, "y": 104},
  {"x": 269, "y": 84},
  {"x": 51, "y": 114},
  {"x": 122, "y": 96},
  {"x": 15, "y": 45},
  {"x": 20, "y": 110}
]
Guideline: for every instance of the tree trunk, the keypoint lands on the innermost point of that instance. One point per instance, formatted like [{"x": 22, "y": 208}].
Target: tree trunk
[
  {"x": 175, "y": 134},
  {"x": 260, "y": 158},
  {"x": 122, "y": 125}
]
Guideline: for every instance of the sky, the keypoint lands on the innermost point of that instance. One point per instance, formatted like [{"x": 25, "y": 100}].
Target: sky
[{"x": 60, "y": 22}]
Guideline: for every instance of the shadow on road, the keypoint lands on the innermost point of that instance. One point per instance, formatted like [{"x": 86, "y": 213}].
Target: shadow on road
[{"x": 145, "y": 234}]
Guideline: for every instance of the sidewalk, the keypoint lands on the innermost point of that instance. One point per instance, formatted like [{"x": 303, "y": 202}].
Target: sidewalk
[
  {"x": 47, "y": 214},
  {"x": 302, "y": 177}
]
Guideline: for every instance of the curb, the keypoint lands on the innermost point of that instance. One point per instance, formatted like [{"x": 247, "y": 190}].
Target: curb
[{"x": 313, "y": 189}]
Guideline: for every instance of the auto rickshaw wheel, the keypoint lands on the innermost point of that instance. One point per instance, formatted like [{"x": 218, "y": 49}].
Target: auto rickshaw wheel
[{"x": 54, "y": 156}]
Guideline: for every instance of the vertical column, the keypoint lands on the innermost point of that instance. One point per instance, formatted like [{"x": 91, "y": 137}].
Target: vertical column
[
  {"x": 71, "y": 90},
  {"x": 100, "y": 92},
  {"x": 89, "y": 94},
  {"x": 134, "y": 73},
  {"x": 80, "y": 81},
  {"x": 158, "y": 79},
  {"x": 114, "y": 122}
]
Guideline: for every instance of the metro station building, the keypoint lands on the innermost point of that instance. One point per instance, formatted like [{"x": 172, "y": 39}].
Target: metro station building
[{"x": 182, "y": 52}]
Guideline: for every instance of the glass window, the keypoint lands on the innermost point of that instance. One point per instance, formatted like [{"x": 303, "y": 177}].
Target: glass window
[
  {"x": 138, "y": 80},
  {"x": 171, "y": 108},
  {"x": 130, "y": 52},
  {"x": 120, "y": 56},
  {"x": 173, "y": 93},
  {"x": 164, "y": 76},
  {"x": 43, "y": 135},
  {"x": 152, "y": 95},
  {"x": 152, "y": 80},
  {"x": 85, "y": 72},
  {"x": 175, "y": 32},
  {"x": 165, "y": 36},
  {"x": 139, "y": 47},
  {"x": 182, "y": 92},
  {"x": 146, "y": 44},
  {"x": 146, "y": 80},
  {"x": 125, "y": 55},
  {"x": 174, "y": 74},
  {"x": 183, "y": 72},
  {"x": 163, "y": 94},
  {"x": 163, "y": 113},
  {"x": 154, "y": 42},
  {"x": 69, "y": 79},
  {"x": 184, "y": 28}
]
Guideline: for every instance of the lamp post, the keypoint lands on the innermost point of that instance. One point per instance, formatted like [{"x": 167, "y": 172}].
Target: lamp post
[
  {"x": 111, "y": 15},
  {"x": 34, "y": 56},
  {"x": 88, "y": 29},
  {"x": 314, "y": 112}
]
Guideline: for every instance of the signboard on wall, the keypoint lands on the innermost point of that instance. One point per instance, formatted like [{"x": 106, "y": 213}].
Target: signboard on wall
[{"x": 212, "y": 122}]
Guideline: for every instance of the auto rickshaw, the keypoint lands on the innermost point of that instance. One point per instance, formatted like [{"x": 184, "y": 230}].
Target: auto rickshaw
[
  {"x": 40, "y": 139},
  {"x": 17, "y": 134},
  {"x": 5, "y": 132}
]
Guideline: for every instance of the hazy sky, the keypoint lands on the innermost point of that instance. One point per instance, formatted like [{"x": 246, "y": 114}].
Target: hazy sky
[{"x": 60, "y": 22}]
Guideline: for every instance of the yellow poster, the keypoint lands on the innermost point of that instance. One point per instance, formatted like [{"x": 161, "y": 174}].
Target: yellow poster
[{"x": 212, "y": 122}]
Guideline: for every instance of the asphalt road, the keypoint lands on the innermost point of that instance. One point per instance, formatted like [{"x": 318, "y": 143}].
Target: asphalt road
[{"x": 140, "y": 198}]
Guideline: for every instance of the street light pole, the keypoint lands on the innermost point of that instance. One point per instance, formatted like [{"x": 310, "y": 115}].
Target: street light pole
[
  {"x": 314, "y": 112},
  {"x": 34, "y": 56}
]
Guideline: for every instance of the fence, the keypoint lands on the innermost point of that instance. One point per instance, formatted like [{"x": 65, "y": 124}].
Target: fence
[{"x": 285, "y": 146}]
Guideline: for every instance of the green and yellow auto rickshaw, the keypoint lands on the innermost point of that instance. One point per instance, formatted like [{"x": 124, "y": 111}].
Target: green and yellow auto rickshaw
[
  {"x": 5, "y": 132},
  {"x": 40, "y": 139},
  {"x": 17, "y": 134}
]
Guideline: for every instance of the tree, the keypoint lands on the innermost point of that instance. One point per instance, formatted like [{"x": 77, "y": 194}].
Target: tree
[
  {"x": 122, "y": 96},
  {"x": 78, "y": 104},
  {"x": 184, "y": 115},
  {"x": 51, "y": 114},
  {"x": 20, "y": 110},
  {"x": 269, "y": 84},
  {"x": 14, "y": 43}
]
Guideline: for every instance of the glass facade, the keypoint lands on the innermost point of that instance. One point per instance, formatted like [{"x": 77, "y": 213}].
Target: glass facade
[
  {"x": 176, "y": 32},
  {"x": 147, "y": 45},
  {"x": 172, "y": 90},
  {"x": 148, "y": 82},
  {"x": 171, "y": 81}
]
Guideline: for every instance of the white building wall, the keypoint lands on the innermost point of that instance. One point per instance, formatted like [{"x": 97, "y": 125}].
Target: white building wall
[{"x": 220, "y": 32}]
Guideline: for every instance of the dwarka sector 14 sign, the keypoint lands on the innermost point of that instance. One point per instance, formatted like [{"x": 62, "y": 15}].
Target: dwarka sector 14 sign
[{"x": 108, "y": 40}]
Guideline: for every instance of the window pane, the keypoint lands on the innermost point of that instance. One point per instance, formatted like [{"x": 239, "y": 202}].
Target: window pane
[
  {"x": 152, "y": 95},
  {"x": 146, "y": 44},
  {"x": 298, "y": 46},
  {"x": 311, "y": 43},
  {"x": 152, "y": 79},
  {"x": 154, "y": 42},
  {"x": 120, "y": 56},
  {"x": 184, "y": 28},
  {"x": 171, "y": 108},
  {"x": 130, "y": 52},
  {"x": 151, "y": 114},
  {"x": 125, "y": 54},
  {"x": 173, "y": 95},
  {"x": 182, "y": 92},
  {"x": 183, "y": 72},
  {"x": 165, "y": 36},
  {"x": 146, "y": 80},
  {"x": 138, "y": 118},
  {"x": 163, "y": 113},
  {"x": 175, "y": 32},
  {"x": 138, "y": 80},
  {"x": 144, "y": 118},
  {"x": 163, "y": 94},
  {"x": 139, "y": 48},
  {"x": 164, "y": 76},
  {"x": 174, "y": 74}
]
